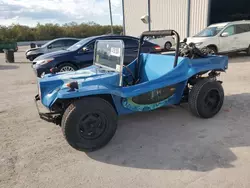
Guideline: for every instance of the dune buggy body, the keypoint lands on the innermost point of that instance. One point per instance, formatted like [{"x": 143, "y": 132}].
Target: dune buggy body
[{"x": 150, "y": 82}]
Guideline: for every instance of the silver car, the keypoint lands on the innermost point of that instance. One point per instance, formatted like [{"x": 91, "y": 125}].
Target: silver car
[{"x": 51, "y": 46}]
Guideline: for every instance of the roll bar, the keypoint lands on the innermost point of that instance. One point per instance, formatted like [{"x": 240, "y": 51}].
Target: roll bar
[{"x": 157, "y": 33}]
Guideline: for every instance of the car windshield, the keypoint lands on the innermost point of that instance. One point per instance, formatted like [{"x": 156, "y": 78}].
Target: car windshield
[
  {"x": 80, "y": 44},
  {"x": 209, "y": 32}
]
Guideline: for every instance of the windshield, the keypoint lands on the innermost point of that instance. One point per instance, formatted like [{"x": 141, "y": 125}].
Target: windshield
[
  {"x": 209, "y": 32},
  {"x": 80, "y": 44},
  {"x": 109, "y": 54}
]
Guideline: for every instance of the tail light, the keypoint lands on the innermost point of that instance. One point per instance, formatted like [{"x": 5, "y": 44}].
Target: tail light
[{"x": 157, "y": 48}]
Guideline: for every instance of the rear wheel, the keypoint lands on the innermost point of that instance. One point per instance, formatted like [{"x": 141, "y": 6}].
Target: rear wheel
[
  {"x": 89, "y": 124},
  {"x": 67, "y": 67},
  {"x": 206, "y": 98},
  {"x": 168, "y": 46}
]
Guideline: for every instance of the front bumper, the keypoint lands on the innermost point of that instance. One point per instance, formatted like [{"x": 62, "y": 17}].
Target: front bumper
[
  {"x": 53, "y": 117},
  {"x": 40, "y": 70}
]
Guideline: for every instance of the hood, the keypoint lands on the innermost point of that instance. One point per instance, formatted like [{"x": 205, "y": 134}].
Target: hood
[
  {"x": 32, "y": 49},
  {"x": 88, "y": 72},
  {"x": 91, "y": 77},
  {"x": 59, "y": 53}
]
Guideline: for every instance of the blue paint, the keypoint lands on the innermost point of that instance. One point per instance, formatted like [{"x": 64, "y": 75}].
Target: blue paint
[{"x": 156, "y": 72}]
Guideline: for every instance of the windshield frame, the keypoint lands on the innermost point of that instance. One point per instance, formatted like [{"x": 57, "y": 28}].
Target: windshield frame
[
  {"x": 215, "y": 29},
  {"x": 119, "y": 69}
]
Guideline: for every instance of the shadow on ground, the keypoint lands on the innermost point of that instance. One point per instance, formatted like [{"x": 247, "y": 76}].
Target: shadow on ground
[
  {"x": 8, "y": 67},
  {"x": 179, "y": 141},
  {"x": 239, "y": 58}
]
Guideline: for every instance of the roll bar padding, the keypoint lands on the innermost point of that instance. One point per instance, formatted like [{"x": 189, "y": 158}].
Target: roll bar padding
[{"x": 159, "y": 32}]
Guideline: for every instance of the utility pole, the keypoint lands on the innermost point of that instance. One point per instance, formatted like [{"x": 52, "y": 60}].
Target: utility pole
[{"x": 111, "y": 20}]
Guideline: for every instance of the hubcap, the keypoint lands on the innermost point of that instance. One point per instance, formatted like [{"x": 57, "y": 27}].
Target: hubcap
[
  {"x": 212, "y": 100},
  {"x": 168, "y": 46},
  {"x": 66, "y": 69},
  {"x": 92, "y": 125}
]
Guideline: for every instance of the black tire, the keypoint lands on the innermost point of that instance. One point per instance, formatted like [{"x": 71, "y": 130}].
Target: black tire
[
  {"x": 78, "y": 124},
  {"x": 168, "y": 46},
  {"x": 206, "y": 98},
  {"x": 31, "y": 58},
  {"x": 212, "y": 50},
  {"x": 66, "y": 66}
]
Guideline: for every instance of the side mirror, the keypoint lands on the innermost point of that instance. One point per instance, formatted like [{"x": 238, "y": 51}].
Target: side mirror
[
  {"x": 85, "y": 49},
  {"x": 49, "y": 47},
  {"x": 225, "y": 34}
]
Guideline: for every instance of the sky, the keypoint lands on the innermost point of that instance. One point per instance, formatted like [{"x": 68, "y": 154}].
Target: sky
[{"x": 30, "y": 12}]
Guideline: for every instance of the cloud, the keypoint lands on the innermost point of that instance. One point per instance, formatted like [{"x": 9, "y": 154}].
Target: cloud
[{"x": 58, "y": 11}]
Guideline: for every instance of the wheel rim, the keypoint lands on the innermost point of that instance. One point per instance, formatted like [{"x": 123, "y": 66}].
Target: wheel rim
[
  {"x": 92, "y": 125},
  {"x": 212, "y": 100},
  {"x": 66, "y": 69},
  {"x": 167, "y": 46}
]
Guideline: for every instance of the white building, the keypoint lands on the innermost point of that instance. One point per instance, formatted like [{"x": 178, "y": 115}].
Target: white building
[{"x": 187, "y": 17}]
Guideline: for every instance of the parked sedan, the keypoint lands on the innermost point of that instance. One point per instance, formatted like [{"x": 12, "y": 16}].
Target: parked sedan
[
  {"x": 52, "y": 46},
  {"x": 80, "y": 55}
]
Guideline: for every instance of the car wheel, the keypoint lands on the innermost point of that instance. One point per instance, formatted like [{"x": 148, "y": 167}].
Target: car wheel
[
  {"x": 168, "y": 46},
  {"x": 212, "y": 50},
  {"x": 67, "y": 67},
  {"x": 31, "y": 58},
  {"x": 206, "y": 98},
  {"x": 89, "y": 124}
]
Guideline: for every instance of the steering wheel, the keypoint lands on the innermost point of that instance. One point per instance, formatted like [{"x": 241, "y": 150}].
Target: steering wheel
[{"x": 130, "y": 73}]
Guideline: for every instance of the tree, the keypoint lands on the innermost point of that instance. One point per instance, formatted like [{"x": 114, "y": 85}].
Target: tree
[{"x": 51, "y": 31}]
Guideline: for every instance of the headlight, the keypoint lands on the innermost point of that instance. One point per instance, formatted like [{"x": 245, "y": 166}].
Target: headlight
[
  {"x": 44, "y": 61},
  {"x": 198, "y": 44}
]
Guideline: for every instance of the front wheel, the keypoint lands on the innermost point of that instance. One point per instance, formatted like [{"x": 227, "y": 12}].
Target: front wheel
[
  {"x": 206, "y": 98},
  {"x": 31, "y": 58},
  {"x": 212, "y": 50},
  {"x": 89, "y": 124},
  {"x": 66, "y": 67}
]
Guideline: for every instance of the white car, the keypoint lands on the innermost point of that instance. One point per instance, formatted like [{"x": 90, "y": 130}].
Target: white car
[
  {"x": 224, "y": 37},
  {"x": 165, "y": 42}
]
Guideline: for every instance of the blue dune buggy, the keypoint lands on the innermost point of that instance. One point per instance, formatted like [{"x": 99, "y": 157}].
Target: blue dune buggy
[{"x": 87, "y": 103}]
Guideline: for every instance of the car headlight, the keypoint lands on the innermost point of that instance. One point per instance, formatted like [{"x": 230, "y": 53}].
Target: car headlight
[
  {"x": 198, "y": 44},
  {"x": 44, "y": 61}
]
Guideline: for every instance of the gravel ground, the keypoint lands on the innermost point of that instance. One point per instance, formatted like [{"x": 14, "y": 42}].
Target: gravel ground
[{"x": 164, "y": 148}]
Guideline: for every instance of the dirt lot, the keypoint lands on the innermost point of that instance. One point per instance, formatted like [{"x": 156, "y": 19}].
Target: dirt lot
[{"x": 165, "y": 148}]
